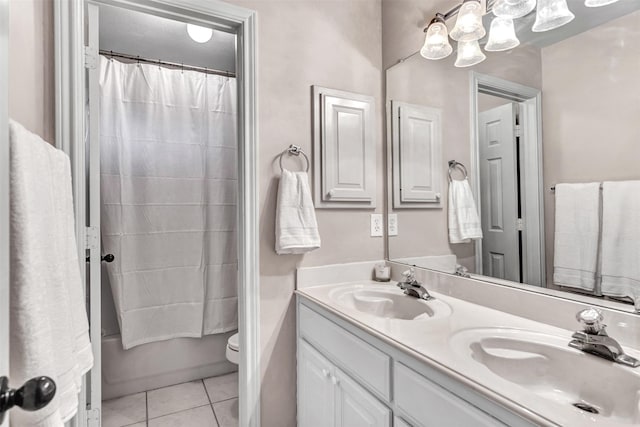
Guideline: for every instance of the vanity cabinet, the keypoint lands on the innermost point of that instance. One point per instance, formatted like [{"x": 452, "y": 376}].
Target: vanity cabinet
[
  {"x": 328, "y": 397},
  {"x": 348, "y": 377}
]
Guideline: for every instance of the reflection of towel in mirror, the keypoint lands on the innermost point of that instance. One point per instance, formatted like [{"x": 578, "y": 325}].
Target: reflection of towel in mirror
[
  {"x": 296, "y": 226},
  {"x": 576, "y": 235},
  {"x": 464, "y": 222},
  {"x": 620, "y": 239}
]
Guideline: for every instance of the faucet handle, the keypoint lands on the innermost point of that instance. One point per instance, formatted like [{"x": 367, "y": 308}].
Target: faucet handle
[
  {"x": 591, "y": 319},
  {"x": 409, "y": 275}
]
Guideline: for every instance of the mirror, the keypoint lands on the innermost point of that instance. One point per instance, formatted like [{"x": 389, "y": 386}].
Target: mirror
[{"x": 561, "y": 108}]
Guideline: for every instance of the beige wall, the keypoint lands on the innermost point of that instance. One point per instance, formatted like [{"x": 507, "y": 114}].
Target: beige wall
[
  {"x": 423, "y": 232},
  {"x": 31, "y": 65},
  {"x": 590, "y": 109}
]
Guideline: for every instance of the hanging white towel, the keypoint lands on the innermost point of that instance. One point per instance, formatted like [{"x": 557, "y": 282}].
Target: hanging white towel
[
  {"x": 296, "y": 225},
  {"x": 576, "y": 236},
  {"x": 464, "y": 221},
  {"x": 49, "y": 327},
  {"x": 620, "y": 238},
  {"x": 169, "y": 200}
]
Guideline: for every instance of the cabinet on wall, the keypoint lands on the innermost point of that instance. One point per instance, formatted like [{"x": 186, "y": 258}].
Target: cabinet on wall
[
  {"x": 417, "y": 163},
  {"x": 349, "y": 378}
]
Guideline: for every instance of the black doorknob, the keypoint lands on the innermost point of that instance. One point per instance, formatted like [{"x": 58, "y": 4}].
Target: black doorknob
[
  {"x": 33, "y": 395},
  {"x": 105, "y": 258}
]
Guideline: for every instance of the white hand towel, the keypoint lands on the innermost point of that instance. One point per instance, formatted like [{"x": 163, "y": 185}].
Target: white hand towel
[
  {"x": 296, "y": 225},
  {"x": 49, "y": 327},
  {"x": 464, "y": 221},
  {"x": 576, "y": 237},
  {"x": 620, "y": 238}
]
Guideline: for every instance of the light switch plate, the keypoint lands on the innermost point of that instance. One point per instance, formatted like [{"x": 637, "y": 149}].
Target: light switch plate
[
  {"x": 392, "y": 226},
  {"x": 376, "y": 225}
]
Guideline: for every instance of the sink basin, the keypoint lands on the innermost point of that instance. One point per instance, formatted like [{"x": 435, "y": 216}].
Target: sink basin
[
  {"x": 544, "y": 365},
  {"x": 387, "y": 301}
]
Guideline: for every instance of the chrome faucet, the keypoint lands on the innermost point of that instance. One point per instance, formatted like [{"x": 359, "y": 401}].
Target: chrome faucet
[
  {"x": 594, "y": 339},
  {"x": 412, "y": 287}
]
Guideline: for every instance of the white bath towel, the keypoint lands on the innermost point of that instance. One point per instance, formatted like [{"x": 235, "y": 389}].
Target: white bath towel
[
  {"x": 576, "y": 236},
  {"x": 620, "y": 238},
  {"x": 464, "y": 221},
  {"x": 296, "y": 225},
  {"x": 49, "y": 327}
]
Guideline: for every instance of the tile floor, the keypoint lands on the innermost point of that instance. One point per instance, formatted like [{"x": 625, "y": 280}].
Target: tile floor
[{"x": 212, "y": 402}]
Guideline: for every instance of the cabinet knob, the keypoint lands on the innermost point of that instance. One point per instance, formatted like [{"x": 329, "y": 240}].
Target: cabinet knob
[
  {"x": 325, "y": 373},
  {"x": 335, "y": 380}
]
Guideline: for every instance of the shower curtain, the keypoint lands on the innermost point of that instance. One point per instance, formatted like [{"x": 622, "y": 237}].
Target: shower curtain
[{"x": 169, "y": 191}]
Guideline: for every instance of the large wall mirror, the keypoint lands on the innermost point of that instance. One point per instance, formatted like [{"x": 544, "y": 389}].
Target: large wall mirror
[{"x": 547, "y": 137}]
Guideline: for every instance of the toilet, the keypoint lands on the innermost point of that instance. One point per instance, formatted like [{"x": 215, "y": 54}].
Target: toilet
[{"x": 233, "y": 349}]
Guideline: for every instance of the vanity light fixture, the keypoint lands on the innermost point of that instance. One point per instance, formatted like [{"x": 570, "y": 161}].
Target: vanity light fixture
[
  {"x": 199, "y": 34},
  {"x": 469, "y": 23},
  {"x": 551, "y": 14},
  {"x": 514, "y": 8},
  {"x": 436, "y": 43},
  {"x": 502, "y": 35},
  {"x": 598, "y": 3},
  {"x": 469, "y": 54}
]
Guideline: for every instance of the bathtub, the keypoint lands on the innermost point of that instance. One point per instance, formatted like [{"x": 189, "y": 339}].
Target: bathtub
[{"x": 160, "y": 364}]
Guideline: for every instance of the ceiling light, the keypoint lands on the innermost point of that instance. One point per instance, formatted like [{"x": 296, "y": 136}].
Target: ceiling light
[
  {"x": 469, "y": 54},
  {"x": 514, "y": 8},
  {"x": 598, "y": 3},
  {"x": 502, "y": 35},
  {"x": 551, "y": 14},
  {"x": 199, "y": 34},
  {"x": 436, "y": 43},
  {"x": 469, "y": 23}
]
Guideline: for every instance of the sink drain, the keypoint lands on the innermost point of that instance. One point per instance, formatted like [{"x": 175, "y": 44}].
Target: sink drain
[{"x": 586, "y": 407}]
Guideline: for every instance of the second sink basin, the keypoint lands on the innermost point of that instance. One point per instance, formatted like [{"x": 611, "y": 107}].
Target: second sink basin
[
  {"x": 544, "y": 365},
  {"x": 387, "y": 301}
]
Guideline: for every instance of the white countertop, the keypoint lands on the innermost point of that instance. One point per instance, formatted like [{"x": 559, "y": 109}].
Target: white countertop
[{"x": 430, "y": 341}]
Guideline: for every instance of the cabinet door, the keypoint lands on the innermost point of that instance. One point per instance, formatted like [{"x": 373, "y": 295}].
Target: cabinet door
[
  {"x": 355, "y": 406},
  {"x": 315, "y": 388}
]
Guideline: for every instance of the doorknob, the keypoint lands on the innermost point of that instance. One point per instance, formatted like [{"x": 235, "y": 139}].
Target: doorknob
[
  {"x": 33, "y": 395},
  {"x": 105, "y": 258}
]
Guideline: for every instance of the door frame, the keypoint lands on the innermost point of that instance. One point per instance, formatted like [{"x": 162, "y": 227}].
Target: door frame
[
  {"x": 69, "y": 16},
  {"x": 533, "y": 200},
  {"x": 4, "y": 191}
]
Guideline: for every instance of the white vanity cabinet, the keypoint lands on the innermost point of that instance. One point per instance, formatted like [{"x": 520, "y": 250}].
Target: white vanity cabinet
[
  {"x": 348, "y": 377},
  {"x": 328, "y": 397}
]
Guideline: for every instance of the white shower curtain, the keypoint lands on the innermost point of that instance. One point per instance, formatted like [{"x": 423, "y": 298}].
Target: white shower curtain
[{"x": 169, "y": 191}]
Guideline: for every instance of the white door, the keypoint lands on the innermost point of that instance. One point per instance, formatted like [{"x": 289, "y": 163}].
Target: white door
[
  {"x": 499, "y": 192},
  {"x": 315, "y": 388},
  {"x": 4, "y": 195},
  {"x": 355, "y": 406}
]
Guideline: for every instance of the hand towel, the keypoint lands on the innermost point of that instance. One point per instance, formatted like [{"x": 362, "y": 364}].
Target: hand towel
[
  {"x": 49, "y": 327},
  {"x": 576, "y": 236},
  {"x": 296, "y": 225},
  {"x": 464, "y": 221},
  {"x": 620, "y": 238}
]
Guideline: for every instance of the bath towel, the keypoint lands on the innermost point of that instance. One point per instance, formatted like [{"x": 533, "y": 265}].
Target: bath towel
[
  {"x": 464, "y": 221},
  {"x": 620, "y": 237},
  {"x": 296, "y": 225},
  {"x": 576, "y": 235},
  {"x": 49, "y": 327}
]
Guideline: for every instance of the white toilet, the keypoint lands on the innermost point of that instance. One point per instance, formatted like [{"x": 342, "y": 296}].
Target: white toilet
[{"x": 233, "y": 349}]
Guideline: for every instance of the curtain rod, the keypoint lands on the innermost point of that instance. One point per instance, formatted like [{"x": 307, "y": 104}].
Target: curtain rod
[{"x": 169, "y": 64}]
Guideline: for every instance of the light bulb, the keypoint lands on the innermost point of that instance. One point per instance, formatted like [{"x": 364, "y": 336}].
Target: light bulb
[
  {"x": 598, "y": 3},
  {"x": 502, "y": 35},
  {"x": 513, "y": 8},
  {"x": 199, "y": 34},
  {"x": 469, "y": 23},
  {"x": 551, "y": 14},
  {"x": 469, "y": 54},
  {"x": 436, "y": 43}
]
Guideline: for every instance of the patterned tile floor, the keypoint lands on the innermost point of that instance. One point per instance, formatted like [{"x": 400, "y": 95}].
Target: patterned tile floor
[{"x": 212, "y": 402}]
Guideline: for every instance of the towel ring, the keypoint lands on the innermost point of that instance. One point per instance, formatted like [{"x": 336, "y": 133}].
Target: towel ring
[
  {"x": 452, "y": 165},
  {"x": 296, "y": 151}
]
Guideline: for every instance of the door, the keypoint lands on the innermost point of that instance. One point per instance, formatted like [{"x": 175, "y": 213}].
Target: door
[
  {"x": 499, "y": 192},
  {"x": 315, "y": 388},
  {"x": 355, "y": 406}
]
